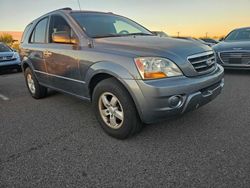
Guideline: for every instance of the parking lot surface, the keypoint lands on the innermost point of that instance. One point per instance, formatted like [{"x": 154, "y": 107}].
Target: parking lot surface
[{"x": 57, "y": 142}]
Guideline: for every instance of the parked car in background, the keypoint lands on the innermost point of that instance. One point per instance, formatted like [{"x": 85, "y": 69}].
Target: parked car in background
[
  {"x": 160, "y": 33},
  {"x": 210, "y": 41},
  {"x": 234, "y": 51},
  {"x": 130, "y": 75},
  {"x": 194, "y": 40},
  {"x": 9, "y": 58}
]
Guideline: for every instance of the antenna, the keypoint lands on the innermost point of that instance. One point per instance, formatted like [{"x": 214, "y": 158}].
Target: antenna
[
  {"x": 178, "y": 34},
  {"x": 79, "y": 4}
]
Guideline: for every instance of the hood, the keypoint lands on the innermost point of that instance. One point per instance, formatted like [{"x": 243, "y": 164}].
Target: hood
[
  {"x": 152, "y": 46},
  {"x": 4, "y": 54},
  {"x": 176, "y": 50},
  {"x": 232, "y": 46}
]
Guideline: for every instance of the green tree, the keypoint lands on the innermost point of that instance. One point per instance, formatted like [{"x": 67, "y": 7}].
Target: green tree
[{"x": 7, "y": 39}]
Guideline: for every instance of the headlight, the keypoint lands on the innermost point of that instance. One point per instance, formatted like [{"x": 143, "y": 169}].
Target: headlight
[
  {"x": 15, "y": 56},
  {"x": 156, "y": 67}
]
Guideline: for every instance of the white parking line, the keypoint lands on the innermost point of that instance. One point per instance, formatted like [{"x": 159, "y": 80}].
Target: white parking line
[{"x": 4, "y": 97}]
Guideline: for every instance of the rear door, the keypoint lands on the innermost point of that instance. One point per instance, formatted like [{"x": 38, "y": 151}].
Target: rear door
[{"x": 36, "y": 47}]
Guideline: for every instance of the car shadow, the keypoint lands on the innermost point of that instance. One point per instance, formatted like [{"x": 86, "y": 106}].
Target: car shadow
[
  {"x": 234, "y": 72},
  {"x": 10, "y": 71},
  {"x": 52, "y": 92}
]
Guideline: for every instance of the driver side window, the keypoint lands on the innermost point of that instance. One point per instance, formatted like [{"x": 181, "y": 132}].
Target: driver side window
[
  {"x": 123, "y": 27},
  {"x": 59, "y": 25}
]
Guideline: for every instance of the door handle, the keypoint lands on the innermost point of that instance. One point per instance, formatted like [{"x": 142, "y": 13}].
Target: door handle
[{"x": 47, "y": 53}]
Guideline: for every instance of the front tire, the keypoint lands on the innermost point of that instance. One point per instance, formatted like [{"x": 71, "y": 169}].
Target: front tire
[
  {"x": 115, "y": 109},
  {"x": 36, "y": 90}
]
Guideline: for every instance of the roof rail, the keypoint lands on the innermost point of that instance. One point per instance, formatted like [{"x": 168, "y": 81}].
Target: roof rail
[{"x": 66, "y": 8}]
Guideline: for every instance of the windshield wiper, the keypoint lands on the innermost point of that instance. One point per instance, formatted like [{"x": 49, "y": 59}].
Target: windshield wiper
[
  {"x": 122, "y": 35},
  {"x": 109, "y": 35},
  {"x": 142, "y": 34}
]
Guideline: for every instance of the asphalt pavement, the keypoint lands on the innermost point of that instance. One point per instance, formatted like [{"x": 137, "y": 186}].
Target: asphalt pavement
[{"x": 57, "y": 142}]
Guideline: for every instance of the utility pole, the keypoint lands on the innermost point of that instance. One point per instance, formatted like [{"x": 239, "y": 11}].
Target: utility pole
[
  {"x": 206, "y": 34},
  {"x": 178, "y": 34},
  {"x": 79, "y": 4}
]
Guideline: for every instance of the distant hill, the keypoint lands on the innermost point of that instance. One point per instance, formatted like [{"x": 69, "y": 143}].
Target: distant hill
[{"x": 16, "y": 34}]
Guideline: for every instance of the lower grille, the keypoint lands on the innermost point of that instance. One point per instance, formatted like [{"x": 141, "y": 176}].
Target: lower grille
[
  {"x": 235, "y": 57},
  {"x": 204, "y": 62},
  {"x": 6, "y": 58}
]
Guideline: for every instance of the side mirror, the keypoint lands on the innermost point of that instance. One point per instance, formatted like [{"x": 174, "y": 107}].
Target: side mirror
[{"x": 63, "y": 37}]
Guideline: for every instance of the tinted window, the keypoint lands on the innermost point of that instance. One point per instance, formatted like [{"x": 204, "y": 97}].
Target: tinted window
[
  {"x": 106, "y": 25},
  {"x": 59, "y": 25},
  {"x": 39, "y": 33},
  {"x": 239, "y": 35},
  {"x": 4, "y": 48},
  {"x": 25, "y": 32}
]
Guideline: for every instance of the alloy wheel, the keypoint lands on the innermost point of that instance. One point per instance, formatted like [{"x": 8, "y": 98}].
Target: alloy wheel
[{"x": 111, "y": 110}]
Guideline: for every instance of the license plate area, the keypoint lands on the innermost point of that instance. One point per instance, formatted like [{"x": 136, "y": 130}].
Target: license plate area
[{"x": 235, "y": 60}]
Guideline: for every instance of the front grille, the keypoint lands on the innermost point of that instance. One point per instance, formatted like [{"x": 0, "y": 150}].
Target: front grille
[
  {"x": 212, "y": 87},
  {"x": 204, "y": 62},
  {"x": 6, "y": 58},
  {"x": 235, "y": 57}
]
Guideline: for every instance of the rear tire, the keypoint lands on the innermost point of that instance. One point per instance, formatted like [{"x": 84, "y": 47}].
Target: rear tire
[
  {"x": 115, "y": 109},
  {"x": 36, "y": 90}
]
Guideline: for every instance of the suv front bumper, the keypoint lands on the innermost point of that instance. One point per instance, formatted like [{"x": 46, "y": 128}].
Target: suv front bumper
[
  {"x": 154, "y": 98},
  {"x": 10, "y": 64}
]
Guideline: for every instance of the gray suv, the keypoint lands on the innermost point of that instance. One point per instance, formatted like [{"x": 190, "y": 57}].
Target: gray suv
[{"x": 130, "y": 75}]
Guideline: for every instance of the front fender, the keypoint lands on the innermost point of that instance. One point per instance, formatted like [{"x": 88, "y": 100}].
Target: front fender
[{"x": 110, "y": 68}]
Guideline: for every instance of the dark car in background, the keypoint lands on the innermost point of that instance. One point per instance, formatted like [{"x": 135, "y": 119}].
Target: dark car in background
[
  {"x": 160, "y": 33},
  {"x": 9, "y": 58},
  {"x": 210, "y": 41},
  {"x": 233, "y": 52},
  {"x": 130, "y": 75},
  {"x": 194, "y": 40}
]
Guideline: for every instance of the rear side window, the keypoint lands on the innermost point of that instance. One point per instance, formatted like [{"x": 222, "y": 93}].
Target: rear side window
[
  {"x": 39, "y": 33},
  {"x": 25, "y": 32}
]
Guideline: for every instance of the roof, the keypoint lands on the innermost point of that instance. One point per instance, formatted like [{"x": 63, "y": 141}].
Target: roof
[
  {"x": 243, "y": 28},
  {"x": 69, "y": 10}
]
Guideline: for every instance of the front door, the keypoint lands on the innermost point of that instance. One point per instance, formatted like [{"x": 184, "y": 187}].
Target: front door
[{"x": 61, "y": 61}]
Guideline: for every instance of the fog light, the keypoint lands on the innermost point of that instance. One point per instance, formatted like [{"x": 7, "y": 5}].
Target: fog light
[{"x": 175, "y": 101}]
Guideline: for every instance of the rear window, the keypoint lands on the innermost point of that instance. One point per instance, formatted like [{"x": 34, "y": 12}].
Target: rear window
[{"x": 4, "y": 48}]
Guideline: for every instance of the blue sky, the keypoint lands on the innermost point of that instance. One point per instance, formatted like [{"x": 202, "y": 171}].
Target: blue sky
[{"x": 189, "y": 17}]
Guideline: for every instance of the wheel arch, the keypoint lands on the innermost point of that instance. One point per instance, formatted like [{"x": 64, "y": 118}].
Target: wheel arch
[
  {"x": 106, "y": 70},
  {"x": 26, "y": 63}
]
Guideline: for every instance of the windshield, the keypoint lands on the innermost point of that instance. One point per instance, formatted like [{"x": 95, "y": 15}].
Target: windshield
[
  {"x": 239, "y": 35},
  {"x": 98, "y": 25},
  {"x": 4, "y": 48}
]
